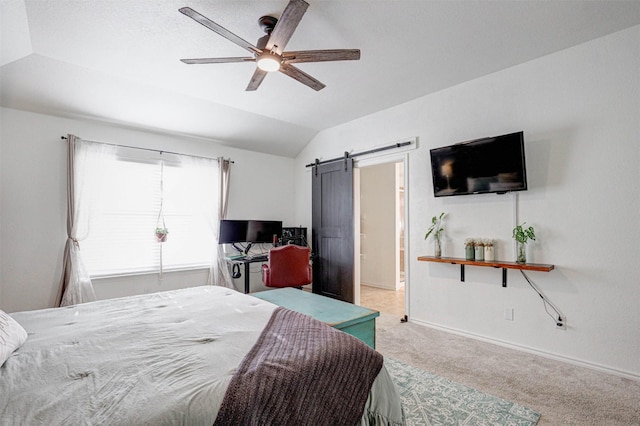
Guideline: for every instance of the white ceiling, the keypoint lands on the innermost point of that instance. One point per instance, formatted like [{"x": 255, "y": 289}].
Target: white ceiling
[{"x": 118, "y": 60}]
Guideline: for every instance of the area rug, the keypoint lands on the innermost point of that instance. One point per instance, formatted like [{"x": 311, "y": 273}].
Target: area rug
[{"x": 431, "y": 400}]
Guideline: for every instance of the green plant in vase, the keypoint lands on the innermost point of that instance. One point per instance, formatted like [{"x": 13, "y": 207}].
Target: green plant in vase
[
  {"x": 436, "y": 230},
  {"x": 522, "y": 235}
]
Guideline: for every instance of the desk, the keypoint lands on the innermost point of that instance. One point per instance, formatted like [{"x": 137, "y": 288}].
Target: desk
[
  {"x": 247, "y": 262},
  {"x": 350, "y": 318}
]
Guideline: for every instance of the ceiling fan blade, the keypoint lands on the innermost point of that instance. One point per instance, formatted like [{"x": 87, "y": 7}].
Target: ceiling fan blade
[
  {"x": 286, "y": 25},
  {"x": 321, "y": 55},
  {"x": 301, "y": 76},
  {"x": 256, "y": 79},
  {"x": 219, "y": 29},
  {"x": 217, "y": 60}
]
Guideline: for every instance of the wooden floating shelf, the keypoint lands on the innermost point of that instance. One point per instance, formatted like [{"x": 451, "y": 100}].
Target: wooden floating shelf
[
  {"x": 541, "y": 267},
  {"x": 493, "y": 264}
]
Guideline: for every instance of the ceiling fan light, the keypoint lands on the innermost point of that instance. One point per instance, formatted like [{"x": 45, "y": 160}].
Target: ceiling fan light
[{"x": 268, "y": 62}]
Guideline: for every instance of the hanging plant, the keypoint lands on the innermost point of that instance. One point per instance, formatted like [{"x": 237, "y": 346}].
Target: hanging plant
[
  {"x": 161, "y": 234},
  {"x": 161, "y": 228}
]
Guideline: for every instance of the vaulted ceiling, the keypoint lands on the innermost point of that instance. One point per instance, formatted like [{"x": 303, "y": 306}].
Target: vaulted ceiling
[{"x": 118, "y": 60}]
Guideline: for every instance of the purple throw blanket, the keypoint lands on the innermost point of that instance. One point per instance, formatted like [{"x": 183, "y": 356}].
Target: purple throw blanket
[{"x": 301, "y": 372}]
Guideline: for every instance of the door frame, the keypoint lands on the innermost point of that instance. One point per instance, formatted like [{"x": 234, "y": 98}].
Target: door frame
[{"x": 401, "y": 157}]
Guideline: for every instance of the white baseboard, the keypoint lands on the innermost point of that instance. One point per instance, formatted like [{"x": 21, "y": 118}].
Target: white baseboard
[{"x": 556, "y": 357}]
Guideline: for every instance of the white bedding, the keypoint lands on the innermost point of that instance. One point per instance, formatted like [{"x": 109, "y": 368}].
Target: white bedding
[{"x": 162, "y": 359}]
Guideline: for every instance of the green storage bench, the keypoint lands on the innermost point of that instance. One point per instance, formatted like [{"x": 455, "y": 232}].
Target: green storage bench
[{"x": 350, "y": 318}]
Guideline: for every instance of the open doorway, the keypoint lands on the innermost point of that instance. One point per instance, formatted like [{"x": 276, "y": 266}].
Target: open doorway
[{"x": 381, "y": 199}]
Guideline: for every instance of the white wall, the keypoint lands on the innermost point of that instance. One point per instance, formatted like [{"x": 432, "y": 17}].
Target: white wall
[
  {"x": 378, "y": 226},
  {"x": 580, "y": 112},
  {"x": 33, "y": 203}
]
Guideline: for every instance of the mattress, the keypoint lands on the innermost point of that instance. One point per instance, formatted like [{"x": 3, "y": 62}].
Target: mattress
[{"x": 164, "y": 359}]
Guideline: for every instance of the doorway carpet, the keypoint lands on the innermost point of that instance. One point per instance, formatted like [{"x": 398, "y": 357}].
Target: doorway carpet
[{"x": 432, "y": 400}]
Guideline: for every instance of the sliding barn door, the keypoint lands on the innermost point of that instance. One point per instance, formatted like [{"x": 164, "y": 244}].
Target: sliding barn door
[{"x": 332, "y": 229}]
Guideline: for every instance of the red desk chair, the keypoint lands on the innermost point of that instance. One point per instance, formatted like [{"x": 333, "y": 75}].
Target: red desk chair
[{"x": 288, "y": 266}]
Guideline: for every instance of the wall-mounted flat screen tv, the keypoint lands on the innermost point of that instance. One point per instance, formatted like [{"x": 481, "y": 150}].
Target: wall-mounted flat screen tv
[{"x": 488, "y": 165}]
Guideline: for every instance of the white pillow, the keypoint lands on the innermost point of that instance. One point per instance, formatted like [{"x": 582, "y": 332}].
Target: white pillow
[{"x": 12, "y": 336}]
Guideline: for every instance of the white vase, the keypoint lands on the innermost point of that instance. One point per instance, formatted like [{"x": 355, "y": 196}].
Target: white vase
[{"x": 488, "y": 253}]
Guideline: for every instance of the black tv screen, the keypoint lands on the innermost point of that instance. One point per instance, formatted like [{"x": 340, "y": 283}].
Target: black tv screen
[
  {"x": 488, "y": 165},
  {"x": 262, "y": 231}
]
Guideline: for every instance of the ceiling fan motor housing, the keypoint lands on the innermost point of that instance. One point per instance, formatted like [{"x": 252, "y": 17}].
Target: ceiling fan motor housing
[
  {"x": 267, "y": 23},
  {"x": 267, "y": 61}
]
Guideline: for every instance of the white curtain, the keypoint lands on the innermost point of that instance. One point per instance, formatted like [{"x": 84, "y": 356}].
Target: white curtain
[
  {"x": 206, "y": 172},
  {"x": 220, "y": 269},
  {"x": 82, "y": 193}
]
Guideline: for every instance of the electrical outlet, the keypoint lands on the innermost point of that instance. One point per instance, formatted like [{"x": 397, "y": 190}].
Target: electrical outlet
[{"x": 508, "y": 314}]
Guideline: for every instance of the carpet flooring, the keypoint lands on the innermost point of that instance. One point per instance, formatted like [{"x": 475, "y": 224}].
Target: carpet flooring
[{"x": 563, "y": 393}]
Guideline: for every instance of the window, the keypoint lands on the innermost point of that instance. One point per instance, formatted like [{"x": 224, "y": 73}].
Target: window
[{"x": 141, "y": 191}]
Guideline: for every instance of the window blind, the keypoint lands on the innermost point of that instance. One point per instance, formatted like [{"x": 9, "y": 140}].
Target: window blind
[{"x": 121, "y": 237}]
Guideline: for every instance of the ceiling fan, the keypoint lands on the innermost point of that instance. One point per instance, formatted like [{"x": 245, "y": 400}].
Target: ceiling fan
[{"x": 269, "y": 53}]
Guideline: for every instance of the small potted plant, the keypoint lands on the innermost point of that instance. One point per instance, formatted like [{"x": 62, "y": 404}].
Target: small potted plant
[
  {"x": 161, "y": 234},
  {"x": 479, "y": 246},
  {"x": 488, "y": 250},
  {"x": 436, "y": 229},
  {"x": 469, "y": 247},
  {"x": 522, "y": 235}
]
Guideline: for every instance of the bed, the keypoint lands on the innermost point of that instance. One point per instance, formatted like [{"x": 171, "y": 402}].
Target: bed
[{"x": 165, "y": 358}]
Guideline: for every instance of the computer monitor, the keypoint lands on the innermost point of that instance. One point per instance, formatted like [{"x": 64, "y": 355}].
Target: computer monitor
[
  {"x": 249, "y": 231},
  {"x": 262, "y": 231},
  {"x": 233, "y": 231}
]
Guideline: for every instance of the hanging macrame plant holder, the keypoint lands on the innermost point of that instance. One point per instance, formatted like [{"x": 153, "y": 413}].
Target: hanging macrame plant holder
[
  {"x": 161, "y": 228},
  {"x": 161, "y": 231}
]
